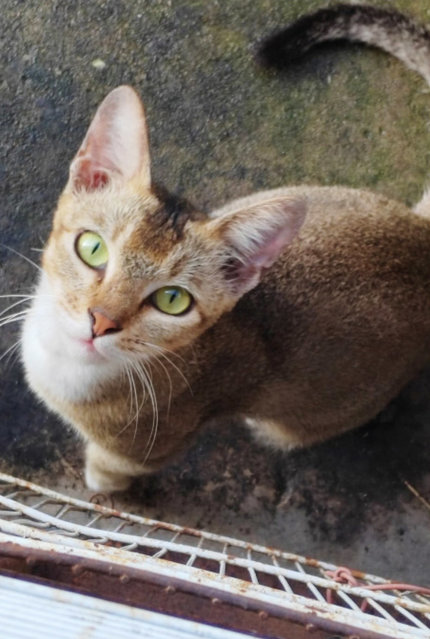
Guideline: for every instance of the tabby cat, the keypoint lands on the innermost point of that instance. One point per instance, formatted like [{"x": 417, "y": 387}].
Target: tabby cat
[{"x": 304, "y": 310}]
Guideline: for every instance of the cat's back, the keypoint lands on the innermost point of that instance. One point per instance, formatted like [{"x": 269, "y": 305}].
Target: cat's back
[
  {"x": 359, "y": 272},
  {"x": 331, "y": 205},
  {"x": 356, "y": 237}
]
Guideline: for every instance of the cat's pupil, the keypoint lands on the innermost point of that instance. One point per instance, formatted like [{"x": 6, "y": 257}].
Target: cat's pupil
[
  {"x": 173, "y": 296},
  {"x": 96, "y": 248}
]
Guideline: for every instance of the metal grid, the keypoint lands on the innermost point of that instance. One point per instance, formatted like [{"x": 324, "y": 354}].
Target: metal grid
[{"x": 251, "y": 575}]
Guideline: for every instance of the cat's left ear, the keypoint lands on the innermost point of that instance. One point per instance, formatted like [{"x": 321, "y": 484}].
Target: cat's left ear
[
  {"x": 255, "y": 235},
  {"x": 116, "y": 145}
]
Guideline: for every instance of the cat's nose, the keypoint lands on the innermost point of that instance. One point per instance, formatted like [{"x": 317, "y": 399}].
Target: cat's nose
[{"x": 101, "y": 324}]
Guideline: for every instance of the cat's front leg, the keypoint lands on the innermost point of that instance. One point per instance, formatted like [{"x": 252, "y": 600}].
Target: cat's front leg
[{"x": 107, "y": 471}]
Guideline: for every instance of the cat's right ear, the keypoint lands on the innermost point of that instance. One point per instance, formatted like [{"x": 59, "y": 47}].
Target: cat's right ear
[
  {"x": 116, "y": 145},
  {"x": 254, "y": 232}
]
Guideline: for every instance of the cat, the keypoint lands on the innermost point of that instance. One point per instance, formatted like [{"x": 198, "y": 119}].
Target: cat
[{"x": 303, "y": 310}]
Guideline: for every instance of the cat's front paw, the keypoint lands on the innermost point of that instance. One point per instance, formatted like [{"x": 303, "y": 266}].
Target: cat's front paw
[
  {"x": 104, "y": 481},
  {"x": 107, "y": 471}
]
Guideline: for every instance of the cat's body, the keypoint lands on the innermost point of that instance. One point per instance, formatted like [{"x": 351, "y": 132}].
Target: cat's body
[{"x": 304, "y": 337}]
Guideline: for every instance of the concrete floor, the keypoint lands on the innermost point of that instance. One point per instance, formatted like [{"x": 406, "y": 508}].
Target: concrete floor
[{"x": 221, "y": 128}]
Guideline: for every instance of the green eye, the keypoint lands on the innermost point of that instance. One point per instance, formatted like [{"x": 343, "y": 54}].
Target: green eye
[
  {"x": 92, "y": 249},
  {"x": 173, "y": 300}
]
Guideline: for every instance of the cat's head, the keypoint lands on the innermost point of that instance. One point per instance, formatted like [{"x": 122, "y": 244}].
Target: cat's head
[{"x": 130, "y": 269}]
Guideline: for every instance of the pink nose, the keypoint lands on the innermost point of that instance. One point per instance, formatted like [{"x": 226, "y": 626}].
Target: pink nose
[{"x": 101, "y": 324}]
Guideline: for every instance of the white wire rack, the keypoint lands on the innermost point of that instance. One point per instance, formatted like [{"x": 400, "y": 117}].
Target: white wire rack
[{"x": 252, "y": 576}]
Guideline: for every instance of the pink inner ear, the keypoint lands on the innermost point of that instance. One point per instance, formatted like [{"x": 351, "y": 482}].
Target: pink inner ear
[
  {"x": 116, "y": 144},
  {"x": 98, "y": 180},
  {"x": 88, "y": 176},
  {"x": 259, "y": 235},
  {"x": 246, "y": 273},
  {"x": 269, "y": 251}
]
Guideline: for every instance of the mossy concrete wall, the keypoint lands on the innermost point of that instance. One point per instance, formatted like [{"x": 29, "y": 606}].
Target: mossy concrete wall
[{"x": 220, "y": 128}]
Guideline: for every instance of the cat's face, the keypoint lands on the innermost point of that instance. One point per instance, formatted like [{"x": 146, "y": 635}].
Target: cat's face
[
  {"x": 129, "y": 273},
  {"x": 162, "y": 281}
]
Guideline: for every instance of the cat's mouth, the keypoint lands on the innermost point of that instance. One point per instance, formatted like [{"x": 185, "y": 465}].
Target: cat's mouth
[
  {"x": 90, "y": 349},
  {"x": 88, "y": 344}
]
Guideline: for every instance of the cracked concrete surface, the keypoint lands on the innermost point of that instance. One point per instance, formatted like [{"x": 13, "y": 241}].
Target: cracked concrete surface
[{"x": 221, "y": 128}]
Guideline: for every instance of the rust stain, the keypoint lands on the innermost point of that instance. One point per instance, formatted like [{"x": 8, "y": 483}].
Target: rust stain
[
  {"x": 90, "y": 577},
  {"x": 311, "y": 562}
]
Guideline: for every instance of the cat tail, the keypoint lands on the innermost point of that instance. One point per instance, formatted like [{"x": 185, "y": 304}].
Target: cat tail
[{"x": 385, "y": 29}]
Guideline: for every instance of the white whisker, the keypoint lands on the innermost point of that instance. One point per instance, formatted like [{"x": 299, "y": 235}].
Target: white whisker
[
  {"x": 18, "y": 295},
  {"x": 125, "y": 375},
  {"x": 166, "y": 350},
  {"x": 10, "y": 351},
  {"x": 132, "y": 394},
  {"x": 146, "y": 380},
  {"x": 130, "y": 387},
  {"x": 147, "y": 386},
  {"x": 142, "y": 372},
  {"x": 136, "y": 402},
  {"x": 24, "y": 257},
  {"x": 169, "y": 401},
  {"x": 162, "y": 353},
  {"x": 13, "y": 305},
  {"x": 15, "y": 317}
]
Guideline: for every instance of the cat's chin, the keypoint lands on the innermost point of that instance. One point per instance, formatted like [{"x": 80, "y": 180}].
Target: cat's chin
[{"x": 60, "y": 360}]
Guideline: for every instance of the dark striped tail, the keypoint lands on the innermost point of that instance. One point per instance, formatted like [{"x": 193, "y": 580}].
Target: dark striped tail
[{"x": 388, "y": 30}]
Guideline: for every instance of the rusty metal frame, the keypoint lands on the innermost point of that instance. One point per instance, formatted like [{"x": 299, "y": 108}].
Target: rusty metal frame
[{"x": 37, "y": 524}]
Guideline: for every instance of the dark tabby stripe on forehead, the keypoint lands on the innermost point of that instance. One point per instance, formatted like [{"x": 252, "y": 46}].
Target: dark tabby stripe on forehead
[
  {"x": 174, "y": 211},
  {"x": 340, "y": 22}
]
